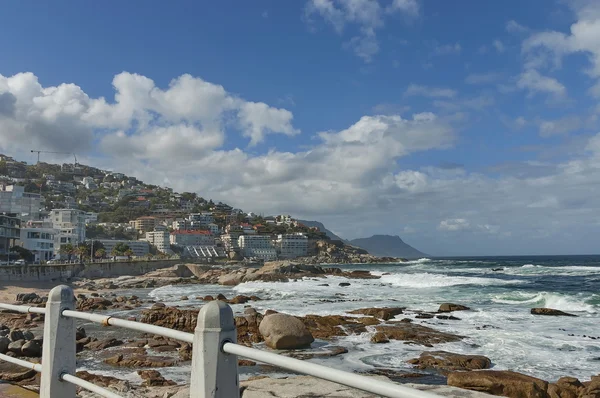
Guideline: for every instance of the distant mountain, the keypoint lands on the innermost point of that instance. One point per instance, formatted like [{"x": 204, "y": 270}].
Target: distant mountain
[
  {"x": 387, "y": 246},
  {"x": 321, "y": 228}
]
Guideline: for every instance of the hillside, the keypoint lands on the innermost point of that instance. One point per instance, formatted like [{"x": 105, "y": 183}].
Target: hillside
[
  {"x": 322, "y": 228},
  {"x": 388, "y": 246}
]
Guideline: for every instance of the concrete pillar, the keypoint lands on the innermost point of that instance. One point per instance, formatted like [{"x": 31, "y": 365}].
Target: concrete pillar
[
  {"x": 214, "y": 373},
  {"x": 58, "y": 353}
]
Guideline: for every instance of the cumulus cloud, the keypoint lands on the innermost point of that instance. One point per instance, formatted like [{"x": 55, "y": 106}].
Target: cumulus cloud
[
  {"x": 534, "y": 82},
  {"x": 561, "y": 126},
  {"x": 454, "y": 224},
  {"x": 432, "y": 92},
  {"x": 367, "y": 15}
]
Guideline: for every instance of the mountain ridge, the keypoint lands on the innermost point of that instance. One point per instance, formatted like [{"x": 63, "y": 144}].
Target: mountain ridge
[{"x": 388, "y": 246}]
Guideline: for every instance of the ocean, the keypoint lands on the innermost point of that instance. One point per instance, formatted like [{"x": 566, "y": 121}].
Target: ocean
[{"x": 499, "y": 290}]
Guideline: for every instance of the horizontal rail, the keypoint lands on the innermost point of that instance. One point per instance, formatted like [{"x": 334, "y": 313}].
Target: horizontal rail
[
  {"x": 108, "y": 320},
  {"x": 26, "y": 364},
  {"x": 89, "y": 386},
  {"x": 23, "y": 308},
  {"x": 325, "y": 373}
]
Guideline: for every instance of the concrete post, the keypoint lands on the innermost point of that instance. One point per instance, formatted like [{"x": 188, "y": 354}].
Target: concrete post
[
  {"x": 58, "y": 352},
  {"x": 214, "y": 373}
]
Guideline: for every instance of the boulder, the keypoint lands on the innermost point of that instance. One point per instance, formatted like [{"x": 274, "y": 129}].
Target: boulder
[
  {"x": 343, "y": 284},
  {"x": 102, "y": 344},
  {"x": 381, "y": 313},
  {"x": 449, "y": 307},
  {"x": 566, "y": 387},
  {"x": 32, "y": 349},
  {"x": 15, "y": 347},
  {"x": 592, "y": 388},
  {"x": 16, "y": 335},
  {"x": 448, "y": 361},
  {"x": 140, "y": 361},
  {"x": 153, "y": 378},
  {"x": 416, "y": 334},
  {"x": 282, "y": 331},
  {"x": 505, "y": 383},
  {"x": 4, "y": 343},
  {"x": 27, "y": 335},
  {"x": 12, "y": 373},
  {"x": 171, "y": 317},
  {"x": 99, "y": 380},
  {"x": 379, "y": 338},
  {"x": 549, "y": 311},
  {"x": 183, "y": 298}
]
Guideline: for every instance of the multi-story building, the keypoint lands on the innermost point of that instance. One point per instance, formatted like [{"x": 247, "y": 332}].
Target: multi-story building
[
  {"x": 14, "y": 200},
  {"x": 192, "y": 238},
  {"x": 203, "y": 218},
  {"x": 10, "y": 226},
  {"x": 38, "y": 237},
  {"x": 257, "y": 246},
  {"x": 89, "y": 183},
  {"x": 213, "y": 228},
  {"x": 160, "y": 238},
  {"x": 144, "y": 224},
  {"x": 291, "y": 245},
  {"x": 70, "y": 226},
  {"x": 140, "y": 248},
  {"x": 230, "y": 240},
  {"x": 91, "y": 218}
]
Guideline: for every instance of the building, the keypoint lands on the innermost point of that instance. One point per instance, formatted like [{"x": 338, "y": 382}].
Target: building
[
  {"x": 160, "y": 238},
  {"x": 230, "y": 240},
  {"x": 10, "y": 227},
  {"x": 70, "y": 226},
  {"x": 89, "y": 183},
  {"x": 38, "y": 237},
  {"x": 203, "y": 218},
  {"x": 192, "y": 238},
  {"x": 257, "y": 246},
  {"x": 91, "y": 218},
  {"x": 292, "y": 245},
  {"x": 284, "y": 219},
  {"x": 213, "y": 228},
  {"x": 145, "y": 224},
  {"x": 14, "y": 200},
  {"x": 140, "y": 248}
]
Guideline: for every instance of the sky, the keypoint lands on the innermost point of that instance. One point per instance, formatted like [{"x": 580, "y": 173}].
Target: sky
[{"x": 466, "y": 128}]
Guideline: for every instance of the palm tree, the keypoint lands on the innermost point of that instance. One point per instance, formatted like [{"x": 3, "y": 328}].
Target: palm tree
[
  {"x": 128, "y": 253},
  {"x": 67, "y": 249},
  {"x": 81, "y": 251},
  {"x": 100, "y": 253}
]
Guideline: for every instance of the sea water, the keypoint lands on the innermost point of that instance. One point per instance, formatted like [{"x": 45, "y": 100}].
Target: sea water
[{"x": 499, "y": 291}]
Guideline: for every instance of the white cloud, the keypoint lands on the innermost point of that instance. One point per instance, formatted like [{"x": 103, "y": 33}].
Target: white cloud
[
  {"x": 447, "y": 49},
  {"x": 368, "y": 15},
  {"x": 482, "y": 78},
  {"x": 454, "y": 224},
  {"x": 499, "y": 46},
  {"x": 432, "y": 92},
  {"x": 565, "y": 125},
  {"x": 533, "y": 82},
  {"x": 513, "y": 26}
]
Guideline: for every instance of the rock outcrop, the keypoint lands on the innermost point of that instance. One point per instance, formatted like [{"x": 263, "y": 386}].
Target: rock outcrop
[
  {"x": 416, "y": 334},
  {"x": 449, "y": 361},
  {"x": 450, "y": 307},
  {"x": 282, "y": 332},
  {"x": 549, "y": 312},
  {"x": 505, "y": 383},
  {"x": 381, "y": 313}
]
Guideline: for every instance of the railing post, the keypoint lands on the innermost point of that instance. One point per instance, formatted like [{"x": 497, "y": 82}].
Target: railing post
[
  {"x": 58, "y": 352},
  {"x": 214, "y": 373}
]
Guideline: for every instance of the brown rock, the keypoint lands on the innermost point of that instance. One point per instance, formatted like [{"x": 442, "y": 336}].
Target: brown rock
[
  {"x": 416, "y": 334},
  {"x": 368, "y": 321},
  {"x": 246, "y": 362},
  {"x": 327, "y": 327},
  {"x": 32, "y": 348},
  {"x": 282, "y": 331},
  {"x": 102, "y": 381},
  {"x": 221, "y": 297},
  {"x": 450, "y": 361},
  {"x": 566, "y": 387},
  {"x": 592, "y": 388},
  {"x": 449, "y": 307},
  {"x": 549, "y": 311},
  {"x": 153, "y": 378},
  {"x": 171, "y": 317},
  {"x": 102, "y": 344},
  {"x": 13, "y": 373},
  {"x": 239, "y": 300},
  {"x": 379, "y": 338},
  {"x": 208, "y": 298},
  {"x": 505, "y": 383},
  {"x": 140, "y": 361},
  {"x": 381, "y": 313}
]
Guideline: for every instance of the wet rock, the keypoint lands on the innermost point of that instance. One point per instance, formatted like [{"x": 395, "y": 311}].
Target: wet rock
[
  {"x": 4, "y": 343},
  {"x": 157, "y": 306},
  {"x": 381, "y": 313},
  {"x": 282, "y": 331},
  {"x": 221, "y": 297},
  {"x": 424, "y": 316},
  {"x": 27, "y": 335},
  {"x": 103, "y": 344},
  {"x": 368, "y": 321},
  {"x": 449, "y": 307},
  {"x": 152, "y": 378},
  {"x": 343, "y": 284},
  {"x": 140, "y": 361},
  {"x": 208, "y": 298},
  {"x": 16, "y": 335},
  {"x": 449, "y": 361},
  {"x": 327, "y": 327},
  {"x": 324, "y": 284},
  {"x": 379, "y": 338},
  {"x": 102, "y": 381},
  {"x": 239, "y": 300},
  {"x": 505, "y": 383},
  {"x": 549, "y": 311},
  {"x": 183, "y": 298},
  {"x": 416, "y": 334},
  {"x": 447, "y": 317},
  {"x": 15, "y": 347},
  {"x": 32, "y": 349},
  {"x": 325, "y": 352}
]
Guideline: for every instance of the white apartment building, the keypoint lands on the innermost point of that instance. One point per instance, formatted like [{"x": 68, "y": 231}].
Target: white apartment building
[
  {"x": 203, "y": 218},
  {"x": 192, "y": 238},
  {"x": 230, "y": 240},
  {"x": 39, "y": 239},
  {"x": 292, "y": 245},
  {"x": 89, "y": 183},
  {"x": 14, "y": 200},
  {"x": 259, "y": 246},
  {"x": 70, "y": 226},
  {"x": 160, "y": 239},
  {"x": 140, "y": 248}
]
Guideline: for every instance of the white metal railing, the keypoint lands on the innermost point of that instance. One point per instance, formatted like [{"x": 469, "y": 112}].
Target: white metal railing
[{"x": 214, "y": 353}]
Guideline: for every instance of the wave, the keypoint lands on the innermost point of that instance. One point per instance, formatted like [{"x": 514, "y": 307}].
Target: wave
[
  {"x": 548, "y": 300},
  {"x": 419, "y": 261},
  {"x": 428, "y": 280}
]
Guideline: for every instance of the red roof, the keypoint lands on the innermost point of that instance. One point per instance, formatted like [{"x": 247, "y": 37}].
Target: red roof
[{"x": 190, "y": 232}]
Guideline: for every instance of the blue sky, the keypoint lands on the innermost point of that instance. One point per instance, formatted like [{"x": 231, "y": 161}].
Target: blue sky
[{"x": 465, "y": 128}]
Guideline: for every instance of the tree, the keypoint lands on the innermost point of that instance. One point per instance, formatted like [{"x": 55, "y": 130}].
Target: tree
[
  {"x": 67, "y": 249},
  {"x": 23, "y": 253},
  {"x": 100, "y": 253},
  {"x": 82, "y": 251},
  {"x": 129, "y": 253}
]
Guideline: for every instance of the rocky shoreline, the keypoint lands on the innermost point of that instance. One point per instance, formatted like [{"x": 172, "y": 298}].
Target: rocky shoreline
[{"x": 20, "y": 335}]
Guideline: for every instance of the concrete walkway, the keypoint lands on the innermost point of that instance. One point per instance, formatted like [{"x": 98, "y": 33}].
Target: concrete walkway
[{"x": 13, "y": 391}]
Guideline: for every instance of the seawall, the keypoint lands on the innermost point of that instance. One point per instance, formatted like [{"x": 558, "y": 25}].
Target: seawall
[{"x": 35, "y": 273}]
